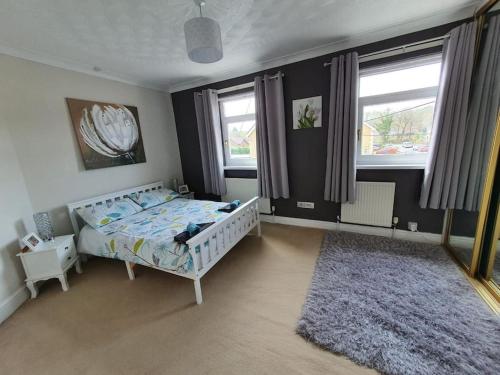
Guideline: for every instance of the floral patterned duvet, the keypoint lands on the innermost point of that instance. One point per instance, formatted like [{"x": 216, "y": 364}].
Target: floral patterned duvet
[{"x": 148, "y": 236}]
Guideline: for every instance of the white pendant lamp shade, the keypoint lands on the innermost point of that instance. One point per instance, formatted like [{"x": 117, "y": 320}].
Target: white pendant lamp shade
[{"x": 203, "y": 40}]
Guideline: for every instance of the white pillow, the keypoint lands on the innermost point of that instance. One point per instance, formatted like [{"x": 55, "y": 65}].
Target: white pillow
[
  {"x": 154, "y": 197},
  {"x": 105, "y": 213}
]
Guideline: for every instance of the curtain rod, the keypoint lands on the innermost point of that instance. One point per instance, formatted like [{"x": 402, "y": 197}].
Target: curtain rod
[
  {"x": 427, "y": 43},
  {"x": 242, "y": 86}
]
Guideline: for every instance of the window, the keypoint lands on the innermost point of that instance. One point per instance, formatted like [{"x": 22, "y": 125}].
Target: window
[
  {"x": 396, "y": 106},
  {"x": 238, "y": 130}
]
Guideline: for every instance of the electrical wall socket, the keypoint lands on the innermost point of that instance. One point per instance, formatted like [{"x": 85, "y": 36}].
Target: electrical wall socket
[
  {"x": 413, "y": 226},
  {"x": 305, "y": 205}
]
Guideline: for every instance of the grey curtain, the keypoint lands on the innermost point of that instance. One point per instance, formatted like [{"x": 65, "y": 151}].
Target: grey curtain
[
  {"x": 209, "y": 131},
  {"x": 481, "y": 121},
  {"x": 340, "y": 182},
  {"x": 442, "y": 172},
  {"x": 272, "y": 170}
]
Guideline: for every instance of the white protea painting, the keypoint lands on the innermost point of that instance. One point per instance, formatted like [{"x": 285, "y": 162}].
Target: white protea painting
[{"x": 110, "y": 130}]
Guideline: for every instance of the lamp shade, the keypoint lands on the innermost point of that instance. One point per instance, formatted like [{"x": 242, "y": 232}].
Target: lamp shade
[{"x": 203, "y": 40}]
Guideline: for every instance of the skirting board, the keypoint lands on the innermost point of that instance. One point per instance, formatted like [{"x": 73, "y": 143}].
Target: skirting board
[
  {"x": 13, "y": 302},
  {"x": 431, "y": 238}
]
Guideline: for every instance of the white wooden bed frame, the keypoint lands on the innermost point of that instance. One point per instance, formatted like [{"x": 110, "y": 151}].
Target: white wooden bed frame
[{"x": 214, "y": 242}]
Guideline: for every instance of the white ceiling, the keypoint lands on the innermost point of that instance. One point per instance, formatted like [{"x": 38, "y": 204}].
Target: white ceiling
[{"x": 142, "y": 42}]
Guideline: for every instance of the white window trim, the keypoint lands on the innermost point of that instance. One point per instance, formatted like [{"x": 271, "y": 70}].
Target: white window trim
[
  {"x": 240, "y": 167},
  {"x": 413, "y": 161},
  {"x": 391, "y": 166},
  {"x": 404, "y": 64},
  {"x": 235, "y": 163}
]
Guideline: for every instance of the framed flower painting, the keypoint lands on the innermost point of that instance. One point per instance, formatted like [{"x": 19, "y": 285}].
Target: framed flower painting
[
  {"x": 108, "y": 134},
  {"x": 307, "y": 113}
]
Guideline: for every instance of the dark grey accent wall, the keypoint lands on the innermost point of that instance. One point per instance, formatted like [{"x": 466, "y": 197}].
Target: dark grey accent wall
[{"x": 306, "y": 148}]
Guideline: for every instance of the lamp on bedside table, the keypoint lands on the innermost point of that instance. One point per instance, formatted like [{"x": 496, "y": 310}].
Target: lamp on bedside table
[{"x": 44, "y": 225}]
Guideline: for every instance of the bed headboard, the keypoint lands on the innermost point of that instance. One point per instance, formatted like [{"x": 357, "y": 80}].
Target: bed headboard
[{"x": 102, "y": 199}]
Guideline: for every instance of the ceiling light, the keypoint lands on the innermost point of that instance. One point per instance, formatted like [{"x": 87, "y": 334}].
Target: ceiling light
[{"x": 203, "y": 38}]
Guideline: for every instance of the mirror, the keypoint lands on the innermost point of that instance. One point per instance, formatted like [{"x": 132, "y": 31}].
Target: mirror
[
  {"x": 462, "y": 226},
  {"x": 494, "y": 268},
  {"x": 489, "y": 269},
  {"x": 495, "y": 272},
  {"x": 462, "y": 232}
]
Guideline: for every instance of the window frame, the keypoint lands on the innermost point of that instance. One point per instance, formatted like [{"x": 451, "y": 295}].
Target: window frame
[
  {"x": 242, "y": 162},
  {"x": 411, "y": 161}
]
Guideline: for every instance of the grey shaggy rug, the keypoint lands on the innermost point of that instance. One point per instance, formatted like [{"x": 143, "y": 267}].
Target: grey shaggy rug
[{"x": 399, "y": 307}]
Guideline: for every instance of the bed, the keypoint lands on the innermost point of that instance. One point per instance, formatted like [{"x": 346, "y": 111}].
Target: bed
[{"x": 147, "y": 237}]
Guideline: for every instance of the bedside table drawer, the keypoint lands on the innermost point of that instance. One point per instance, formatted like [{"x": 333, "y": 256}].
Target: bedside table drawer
[
  {"x": 66, "y": 253},
  {"x": 69, "y": 258},
  {"x": 189, "y": 195}
]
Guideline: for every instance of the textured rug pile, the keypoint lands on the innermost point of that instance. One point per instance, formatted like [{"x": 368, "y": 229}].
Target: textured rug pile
[{"x": 399, "y": 307}]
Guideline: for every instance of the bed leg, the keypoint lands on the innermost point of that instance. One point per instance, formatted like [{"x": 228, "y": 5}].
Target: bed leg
[
  {"x": 130, "y": 270},
  {"x": 258, "y": 229},
  {"x": 197, "y": 290}
]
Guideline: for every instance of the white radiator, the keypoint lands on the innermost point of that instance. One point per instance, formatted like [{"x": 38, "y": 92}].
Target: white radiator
[
  {"x": 245, "y": 189},
  {"x": 374, "y": 204}
]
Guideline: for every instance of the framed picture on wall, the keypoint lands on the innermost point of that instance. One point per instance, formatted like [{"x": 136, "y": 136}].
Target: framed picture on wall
[
  {"x": 307, "y": 113},
  {"x": 108, "y": 134}
]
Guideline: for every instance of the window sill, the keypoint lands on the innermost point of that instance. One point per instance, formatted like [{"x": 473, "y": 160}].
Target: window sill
[
  {"x": 240, "y": 168},
  {"x": 390, "y": 166}
]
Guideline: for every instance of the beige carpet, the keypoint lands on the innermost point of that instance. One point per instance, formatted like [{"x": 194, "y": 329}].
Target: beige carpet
[{"x": 106, "y": 324}]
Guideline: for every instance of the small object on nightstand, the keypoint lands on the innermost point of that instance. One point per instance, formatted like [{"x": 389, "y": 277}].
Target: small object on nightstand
[
  {"x": 183, "y": 189},
  {"x": 52, "y": 259},
  {"x": 32, "y": 241},
  {"x": 44, "y": 225},
  {"x": 188, "y": 195}
]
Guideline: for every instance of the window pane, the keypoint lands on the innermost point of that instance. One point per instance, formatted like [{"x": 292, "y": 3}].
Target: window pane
[
  {"x": 242, "y": 139},
  {"x": 397, "y": 128},
  {"x": 400, "y": 80},
  {"x": 238, "y": 107}
]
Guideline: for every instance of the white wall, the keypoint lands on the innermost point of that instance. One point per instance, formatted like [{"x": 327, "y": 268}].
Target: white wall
[
  {"x": 41, "y": 168},
  {"x": 33, "y": 106},
  {"x": 15, "y": 221}
]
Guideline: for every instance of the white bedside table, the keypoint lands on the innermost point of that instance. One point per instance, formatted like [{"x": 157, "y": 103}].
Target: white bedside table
[
  {"x": 53, "y": 260},
  {"x": 189, "y": 195}
]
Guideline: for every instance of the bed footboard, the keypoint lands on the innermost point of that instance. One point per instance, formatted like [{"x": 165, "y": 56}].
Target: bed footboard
[{"x": 213, "y": 243}]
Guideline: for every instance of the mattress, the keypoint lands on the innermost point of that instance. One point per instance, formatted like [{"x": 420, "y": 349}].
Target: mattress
[{"x": 148, "y": 237}]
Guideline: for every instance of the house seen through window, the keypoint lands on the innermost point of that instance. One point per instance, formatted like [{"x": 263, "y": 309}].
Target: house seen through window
[
  {"x": 238, "y": 130},
  {"x": 396, "y": 107}
]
